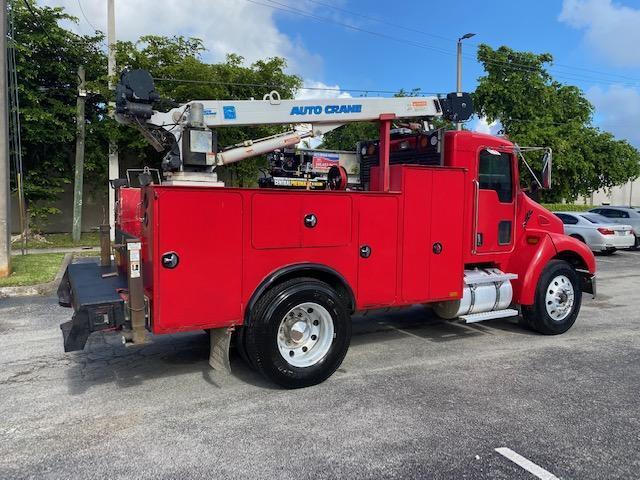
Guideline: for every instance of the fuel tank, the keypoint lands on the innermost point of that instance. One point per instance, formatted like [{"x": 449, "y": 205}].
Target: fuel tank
[{"x": 485, "y": 290}]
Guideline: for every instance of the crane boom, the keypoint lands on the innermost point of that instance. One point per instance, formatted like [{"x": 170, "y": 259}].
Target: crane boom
[
  {"x": 187, "y": 130},
  {"x": 274, "y": 111}
]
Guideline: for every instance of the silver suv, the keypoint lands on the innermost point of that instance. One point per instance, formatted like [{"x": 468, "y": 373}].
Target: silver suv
[{"x": 624, "y": 215}]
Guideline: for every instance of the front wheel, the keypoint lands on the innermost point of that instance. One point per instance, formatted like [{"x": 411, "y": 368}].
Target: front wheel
[
  {"x": 298, "y": 333},
  {"x": 557, "y": 300}
]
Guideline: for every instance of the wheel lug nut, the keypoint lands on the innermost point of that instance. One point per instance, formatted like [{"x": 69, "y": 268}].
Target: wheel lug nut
[
  {"x": 316, "y": 323},
  {"x": 304, "y": 349},
  {"x": 313, "y": 337}
]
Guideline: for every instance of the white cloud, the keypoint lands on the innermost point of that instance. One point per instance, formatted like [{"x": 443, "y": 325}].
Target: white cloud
[
  {"x": 225, "y": 26},
  {"x": 618, "y": 111},
  {"x": 483, "y": 126},
  {"x": 320, "y": 90},
  {"x": 611, "y": 29}
]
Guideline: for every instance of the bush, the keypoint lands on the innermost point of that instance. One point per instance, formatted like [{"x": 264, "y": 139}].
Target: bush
[{"x": 567, "y": 207}]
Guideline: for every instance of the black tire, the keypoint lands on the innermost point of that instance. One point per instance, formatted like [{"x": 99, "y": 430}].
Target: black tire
[
  {"x": 537, "y": 316},
  {"x": 261, "y": 334}
]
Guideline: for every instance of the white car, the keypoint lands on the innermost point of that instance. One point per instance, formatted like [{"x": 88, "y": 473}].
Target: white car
[
  {"x": 598, "y": 232},
  {"x": 623, "y": 215}
]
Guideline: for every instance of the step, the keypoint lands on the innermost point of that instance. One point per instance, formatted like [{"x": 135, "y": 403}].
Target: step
[{"x": 481, "y": 317}]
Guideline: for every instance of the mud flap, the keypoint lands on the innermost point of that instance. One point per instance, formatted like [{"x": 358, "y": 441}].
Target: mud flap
[
  {"x": 220, "y": 340},
  {"x": 75, "y": 333},
  {"x": 587, "y": 283}
]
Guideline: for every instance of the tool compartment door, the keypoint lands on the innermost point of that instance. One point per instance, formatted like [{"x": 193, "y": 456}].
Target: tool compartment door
[
  {"x": 332, "y": 214},
  {"x": 445, "y": 255},
  {"x": 276, "y": 220},
  {"x": 377, "y": 231},
  {"x": 416, "y": 238},
  {"x": 204, "y": 229}
]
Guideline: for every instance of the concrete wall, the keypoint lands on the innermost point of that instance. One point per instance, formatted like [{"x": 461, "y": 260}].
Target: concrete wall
[
  {"x": 627, "y": 194},
  {"x": 93, "y": 208}
]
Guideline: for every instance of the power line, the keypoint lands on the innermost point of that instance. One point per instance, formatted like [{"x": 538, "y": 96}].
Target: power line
[
  {"x": 85, "y": 16},
  {"x": 266, "y": 85},
  {"x": 383, "y": 22},
  {"x": 286, "y": 8},
  {"x": 451, "y": 39},
  {"x": 512, "y": 65}
]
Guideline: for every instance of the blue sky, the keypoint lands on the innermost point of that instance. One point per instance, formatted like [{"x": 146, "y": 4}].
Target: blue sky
[{"x": 595, "y": 43}]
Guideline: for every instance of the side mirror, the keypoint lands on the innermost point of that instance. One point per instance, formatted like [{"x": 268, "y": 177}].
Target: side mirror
[{"x": 546, "y": 169}]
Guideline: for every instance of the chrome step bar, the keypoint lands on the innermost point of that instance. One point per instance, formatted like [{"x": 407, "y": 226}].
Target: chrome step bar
[{"x": 481, "y": 317}]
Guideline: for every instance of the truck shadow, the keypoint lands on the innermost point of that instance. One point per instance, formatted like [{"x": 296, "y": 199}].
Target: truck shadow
[
  {"x": 106, "y": 360},
  {"x": 420, "y": 321}
]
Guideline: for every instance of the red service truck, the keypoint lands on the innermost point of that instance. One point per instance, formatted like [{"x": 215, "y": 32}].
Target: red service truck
[{"x": 282, "y": 271}]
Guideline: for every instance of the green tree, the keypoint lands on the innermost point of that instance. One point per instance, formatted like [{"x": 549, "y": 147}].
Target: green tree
[
  {"x": 182, "y": 75},
  {"x": 536, "y": 110},
  {"x": 47, "y": 59}
]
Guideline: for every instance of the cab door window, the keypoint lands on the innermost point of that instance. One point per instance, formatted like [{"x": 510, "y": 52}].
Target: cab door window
[{"x": 494, "y": 173}]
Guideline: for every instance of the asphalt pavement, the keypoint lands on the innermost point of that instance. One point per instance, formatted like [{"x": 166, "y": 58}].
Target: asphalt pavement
[{"x": 416, "y": 397}]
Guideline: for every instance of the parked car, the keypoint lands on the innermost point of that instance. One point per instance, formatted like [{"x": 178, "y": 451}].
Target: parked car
[
  {"x": 622, "y": 215},
  {"x": 598, "y": 232}
]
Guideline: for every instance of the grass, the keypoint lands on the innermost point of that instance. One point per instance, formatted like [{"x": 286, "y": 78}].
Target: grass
[
  {"x": 32, "y": 269},
  {"x": 62, "y": 240},
  {"x": 567, "y": 207}
]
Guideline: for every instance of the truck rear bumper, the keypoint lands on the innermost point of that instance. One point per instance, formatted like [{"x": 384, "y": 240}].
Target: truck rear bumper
[{"x": 95, "y": 299}]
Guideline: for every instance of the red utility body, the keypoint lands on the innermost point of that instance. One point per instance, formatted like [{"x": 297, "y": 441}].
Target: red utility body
[{"x": 231, "y": 243}]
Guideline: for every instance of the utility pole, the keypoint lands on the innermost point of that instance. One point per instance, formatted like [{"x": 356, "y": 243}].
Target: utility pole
[
  {"x": 114, "y": 168},
  {"x": 77, "y": 191},
  {"x": 5, "y": 198},
  {"x": 459, "y": 69}
]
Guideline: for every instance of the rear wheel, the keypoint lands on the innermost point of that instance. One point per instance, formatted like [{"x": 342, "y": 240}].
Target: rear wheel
[
  {"x": 298, "y": 333},
  {"x": 557, "y": 300}
]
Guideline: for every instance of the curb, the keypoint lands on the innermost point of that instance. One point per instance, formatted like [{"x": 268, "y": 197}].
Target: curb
[
  {"x": 41, "y": 288},
  {"x": 30, "y": 251}
]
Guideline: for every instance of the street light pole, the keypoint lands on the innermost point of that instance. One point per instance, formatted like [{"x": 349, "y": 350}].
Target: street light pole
[{"x": 459, "y": 69}]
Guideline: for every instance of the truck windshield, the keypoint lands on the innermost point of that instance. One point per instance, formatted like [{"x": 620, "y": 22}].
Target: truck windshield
[{"x": 494, "y": 173}]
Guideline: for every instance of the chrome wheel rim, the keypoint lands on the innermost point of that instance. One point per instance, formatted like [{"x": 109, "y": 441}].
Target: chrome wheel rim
[
  {"x": 560, "y": 298},
  {"x": 305, "y": 334}
]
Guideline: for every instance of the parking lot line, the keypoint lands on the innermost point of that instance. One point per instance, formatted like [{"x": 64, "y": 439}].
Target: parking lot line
[
  {"x": 391, "y": 327},
  {"x": 528, "y": 465}
]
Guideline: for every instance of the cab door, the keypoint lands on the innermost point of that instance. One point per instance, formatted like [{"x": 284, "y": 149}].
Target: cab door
[{"x": 495, "y": 202}]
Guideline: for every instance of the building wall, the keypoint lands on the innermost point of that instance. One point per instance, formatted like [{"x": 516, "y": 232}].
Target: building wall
[
  {"x": 94, "y": 209},
  {"x": 627, "y": 194}
]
